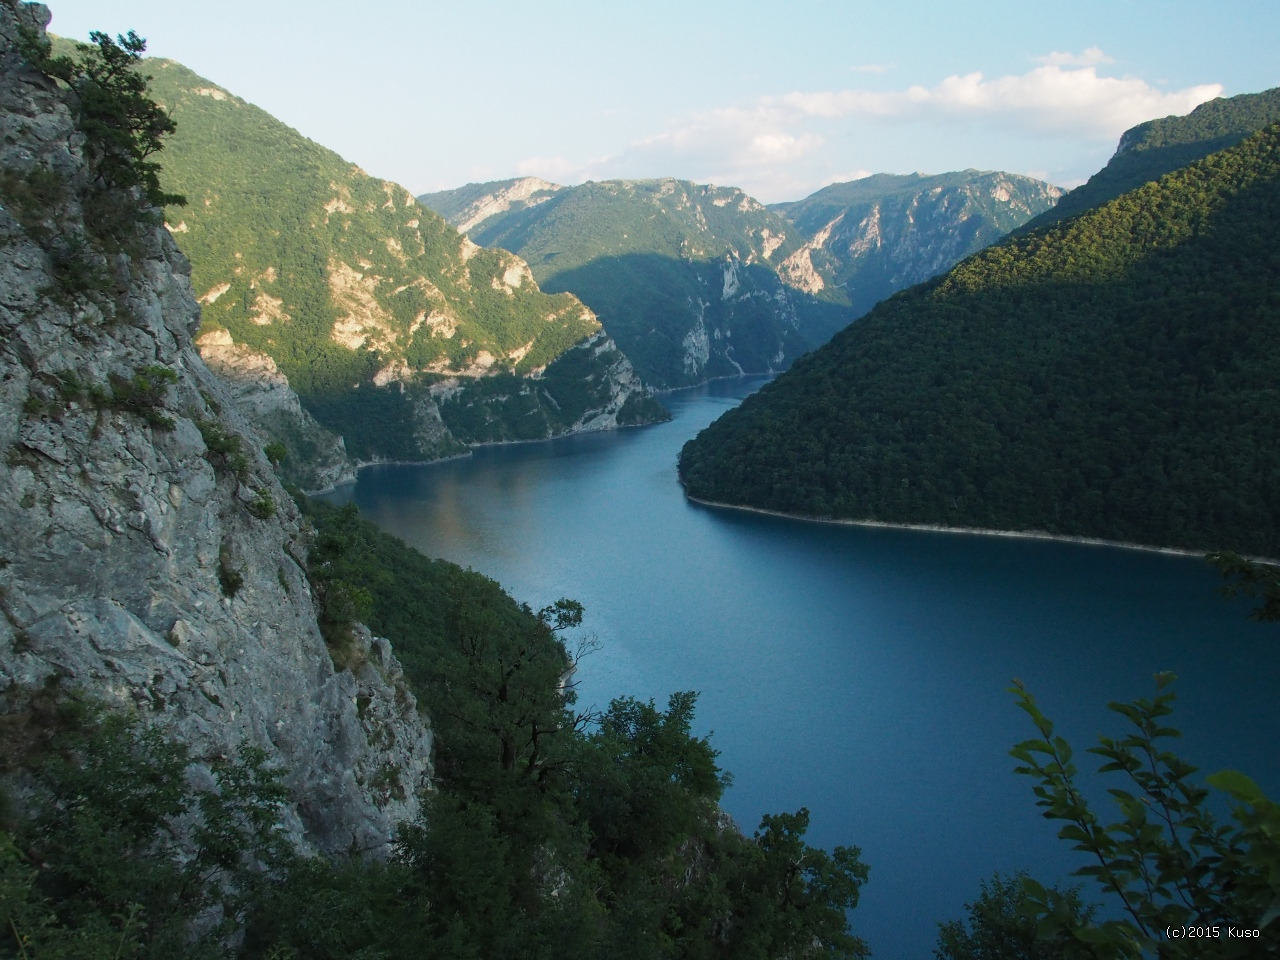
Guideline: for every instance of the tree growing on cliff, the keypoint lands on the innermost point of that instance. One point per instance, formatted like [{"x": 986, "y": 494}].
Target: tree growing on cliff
[{"x": 123, "y": 126}]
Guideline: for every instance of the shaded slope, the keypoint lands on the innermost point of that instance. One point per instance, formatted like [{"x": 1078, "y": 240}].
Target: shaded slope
[
  {"x": 679, "y": 273},
  {"x": 1152, "y": 149},
  {"x": 1112, "y": 377}
]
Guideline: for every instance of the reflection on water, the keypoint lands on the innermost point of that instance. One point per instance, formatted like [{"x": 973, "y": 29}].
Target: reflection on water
[{"x": 859, "y": 672}]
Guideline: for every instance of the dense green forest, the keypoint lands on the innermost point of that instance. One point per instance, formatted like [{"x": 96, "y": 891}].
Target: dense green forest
[
  {"x": 363, "y": 297},
  {"x": 682, "y": 275},
  {"x": 1112, "y": 376},
  {"x": 1152, "y": 149}
]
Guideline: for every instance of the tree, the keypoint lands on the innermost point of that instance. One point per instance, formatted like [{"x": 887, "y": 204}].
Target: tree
[
  {"x": 1174, "y": 869},
  {"x": 999, "y": 927},
  {"x": 124, "y": 127},
  {"x": 1249, "y": 578}
]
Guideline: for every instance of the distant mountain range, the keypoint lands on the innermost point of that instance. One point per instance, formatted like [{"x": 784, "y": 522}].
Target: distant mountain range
[
  {"x": 684, "y": 276},
  {"x": 395, "y": 330},
  {"x": 1113, "y": 375},
  {"x": 696, "y": 281},
  {"x": 872, "y": 237}
]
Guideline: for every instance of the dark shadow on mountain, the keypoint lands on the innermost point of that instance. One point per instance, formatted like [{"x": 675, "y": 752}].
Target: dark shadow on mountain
[
  {"x": 657, "y": 308},
  {"x": 1134, "y": 400}
]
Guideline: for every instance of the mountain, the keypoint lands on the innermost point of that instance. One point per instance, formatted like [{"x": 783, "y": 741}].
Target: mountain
[
  {"x": 683, "y": 276},
  {"x": 397, "y": 333},
  {"x": 469, "y": 206},
  {"x": 1152, "y": 149},
  {"x": 1111, "y": 376},
  {"x": 149, "y": 558},
  {"x": 872, "y": 237},
  {"x": 697, "y": 281}
]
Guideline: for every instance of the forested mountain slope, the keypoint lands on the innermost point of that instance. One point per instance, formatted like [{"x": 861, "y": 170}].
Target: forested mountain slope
[
  {"x": 1113, "y": 376},
  {"x": 396, "y": 331},
  {"x": 1152, "y": 149},
  {"x": 683, "y": 276},
  {"x": 872, "y": 237}
]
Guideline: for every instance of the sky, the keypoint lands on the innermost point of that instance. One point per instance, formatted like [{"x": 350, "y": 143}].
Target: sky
[{"x": 776, "y": 98}]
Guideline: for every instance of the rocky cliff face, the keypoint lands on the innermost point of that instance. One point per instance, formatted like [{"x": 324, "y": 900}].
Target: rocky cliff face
[
  {"x": 315, "y": 458},
  {"x": 683, "y": 276},
  {"x": 873, "y": 237},
  {"x": 148, "y": 556}
]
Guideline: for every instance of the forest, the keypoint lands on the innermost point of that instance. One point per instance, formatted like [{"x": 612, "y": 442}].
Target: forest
[{"x": 1108, "y": 377}]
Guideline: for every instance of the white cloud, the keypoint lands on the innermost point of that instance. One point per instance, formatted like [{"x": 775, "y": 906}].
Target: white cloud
[
  {"x": 1049, "y": 99},
  {"x": 1092, "y": 57},
  {"x": 786, "y": 145}
]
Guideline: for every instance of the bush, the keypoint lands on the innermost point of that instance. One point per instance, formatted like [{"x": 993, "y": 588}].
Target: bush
[
  {"x": 230, "y": 578},
  {"x": 145, "y": 394},
  {"x": 115, "y": 855},
  {"x": 225, "y": 449},
  {"x": 1168, "y": 861},
  {"x": 263, "y": 506}
]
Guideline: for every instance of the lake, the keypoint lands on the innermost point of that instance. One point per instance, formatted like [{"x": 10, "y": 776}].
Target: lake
[{"x": 859, "y": 672}]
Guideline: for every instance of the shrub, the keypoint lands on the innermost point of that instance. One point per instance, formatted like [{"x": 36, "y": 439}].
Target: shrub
[
  {"x": 225, "y": 449},
  {"x": 123, "y": 126},
  {"x": 263, "y": 506}
]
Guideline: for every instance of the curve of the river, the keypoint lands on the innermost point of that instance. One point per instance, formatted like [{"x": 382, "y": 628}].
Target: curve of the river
[{"x": 860, "y": 672}]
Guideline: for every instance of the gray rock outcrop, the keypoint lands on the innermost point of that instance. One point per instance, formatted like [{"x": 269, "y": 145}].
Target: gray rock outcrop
[
  {"x": 148, "y": 555},
  {"x": 316, "y": 459}
]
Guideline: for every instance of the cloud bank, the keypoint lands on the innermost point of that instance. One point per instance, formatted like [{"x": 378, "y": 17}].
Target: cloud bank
[{"x": 784, "y": 145}]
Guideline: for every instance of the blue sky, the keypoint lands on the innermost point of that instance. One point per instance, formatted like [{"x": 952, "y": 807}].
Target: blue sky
[{"x": 778, "y": 99}]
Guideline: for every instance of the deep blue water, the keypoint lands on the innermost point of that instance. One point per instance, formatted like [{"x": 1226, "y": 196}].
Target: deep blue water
[{"x": 861, "y": 673}]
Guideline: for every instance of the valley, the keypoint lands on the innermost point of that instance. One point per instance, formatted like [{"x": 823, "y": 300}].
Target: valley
[{"x": 510, "y": 680}]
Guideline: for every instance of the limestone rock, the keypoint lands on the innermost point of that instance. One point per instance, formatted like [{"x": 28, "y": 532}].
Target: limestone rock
[
  {"x": 316, "y": 458},
  {"x": 137, "y": 563}
]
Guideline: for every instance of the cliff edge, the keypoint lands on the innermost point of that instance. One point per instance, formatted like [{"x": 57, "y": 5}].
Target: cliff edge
[{"x": 148, "y": 555}]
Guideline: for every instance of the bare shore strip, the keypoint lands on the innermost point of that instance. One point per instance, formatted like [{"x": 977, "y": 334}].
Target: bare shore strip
[{"x": 973, "y": 531}]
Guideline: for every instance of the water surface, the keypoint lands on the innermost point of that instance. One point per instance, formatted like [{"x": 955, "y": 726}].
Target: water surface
[{"x": 859, "y": 672}]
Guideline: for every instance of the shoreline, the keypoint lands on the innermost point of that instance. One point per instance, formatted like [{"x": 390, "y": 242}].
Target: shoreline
[
  {"x": 361, "y": 464},
  {"x": 971, "y": 531},
  {"x": 771, "y": 374}
]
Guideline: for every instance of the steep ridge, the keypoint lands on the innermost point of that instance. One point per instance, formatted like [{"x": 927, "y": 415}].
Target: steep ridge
[
  {"x": 470, "y": 206},
  {"x": 683, "y": 276},
  {"x": 872, "y": 237},
  {"x": 1112, "y": 376},
  {"x": 148, "y": 556},
  {"x": 387, "y": 322},
  {"x": 1152, "y": 149}
]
